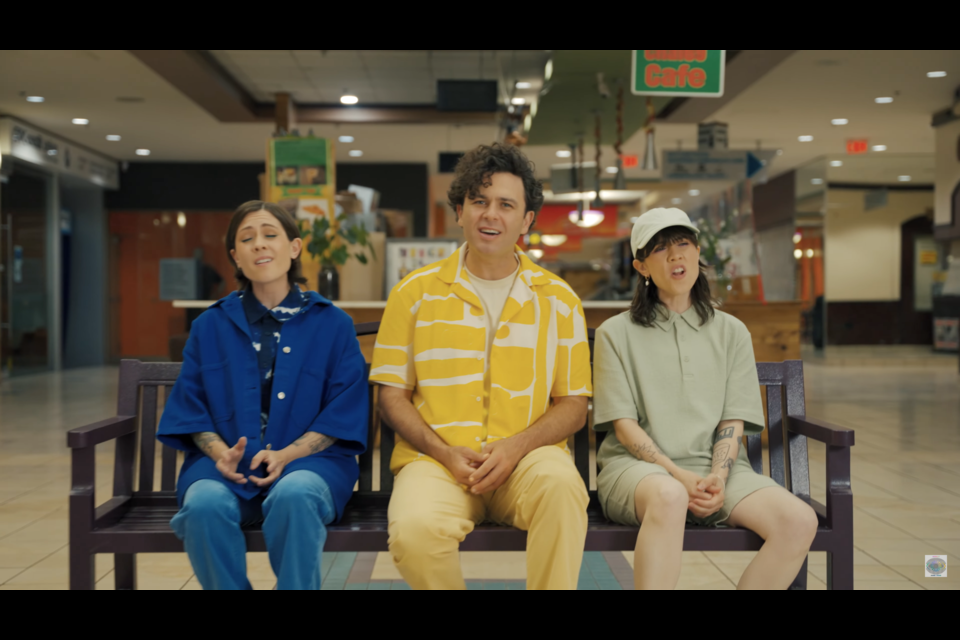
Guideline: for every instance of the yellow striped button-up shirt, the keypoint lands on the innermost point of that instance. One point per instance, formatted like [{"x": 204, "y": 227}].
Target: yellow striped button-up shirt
[{"x": 432, "y": 340}]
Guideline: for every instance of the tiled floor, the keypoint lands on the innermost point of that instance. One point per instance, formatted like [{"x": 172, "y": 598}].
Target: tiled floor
[{"x": 904, "y": 406}]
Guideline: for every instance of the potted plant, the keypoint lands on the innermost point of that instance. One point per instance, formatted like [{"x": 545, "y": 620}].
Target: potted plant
[
  {"x": 329, "y": 241},
  {"x": 710, "y": 253}
]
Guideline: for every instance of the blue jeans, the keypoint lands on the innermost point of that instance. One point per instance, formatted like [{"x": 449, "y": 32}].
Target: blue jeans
[{"x": 294, "y": 516}]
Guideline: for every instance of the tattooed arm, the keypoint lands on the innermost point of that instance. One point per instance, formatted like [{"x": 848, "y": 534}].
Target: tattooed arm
[
  {"x": 227, "y": 458},
  {"x": 308, "y": 444},
  {"x": 638, "y": 442},
  {"x": 726, "y": 446}
]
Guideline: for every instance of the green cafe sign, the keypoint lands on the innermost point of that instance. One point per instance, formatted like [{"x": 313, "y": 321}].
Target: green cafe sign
[{"x": 678, "y": 72}]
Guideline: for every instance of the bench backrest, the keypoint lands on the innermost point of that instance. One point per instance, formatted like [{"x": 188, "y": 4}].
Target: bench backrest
[{"x": 144, "y": 386}]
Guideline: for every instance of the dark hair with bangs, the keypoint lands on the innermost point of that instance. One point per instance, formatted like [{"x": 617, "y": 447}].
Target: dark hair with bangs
[
  {"x": 476, "y": 166},
  {"x": 646, "y": 303},
  {"x": 288, "y": 224}
]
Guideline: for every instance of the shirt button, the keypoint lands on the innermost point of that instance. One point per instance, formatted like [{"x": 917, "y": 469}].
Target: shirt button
[
  {"x": 478, "y": 398},
  {"x": 686, "y": 358},
  {"x": 477, "y": 439},
  {"x": 281, "y": 395},
  {"x": 268, "y": 447},
  {"x": 286, "y": 349}
]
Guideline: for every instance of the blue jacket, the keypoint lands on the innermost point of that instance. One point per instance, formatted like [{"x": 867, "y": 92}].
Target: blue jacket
[{"x": 323, "y": 380}]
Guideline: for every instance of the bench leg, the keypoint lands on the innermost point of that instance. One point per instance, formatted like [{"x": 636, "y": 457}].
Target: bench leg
[
  {"x": 125, "y": 571},
  {"x": 800, "y": 582},
  {"x": 81, "y": 568},
  {"x": 840, "y": 569}
]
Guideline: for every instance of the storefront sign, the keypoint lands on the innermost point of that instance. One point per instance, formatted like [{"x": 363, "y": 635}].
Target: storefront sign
[
  {"x": 710, "y": 165},
  {"x": 855, "y": 147},
  {"x": 300, "y": 167},
  {"x": 678, "y": 72},
  {"x": 26, "y": 143}
]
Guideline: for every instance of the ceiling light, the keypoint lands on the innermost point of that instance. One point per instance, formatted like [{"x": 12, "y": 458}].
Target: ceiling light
[
  {"x": 563, "y": 153},
  {"x": 181, "y": 219},
  {"x": 936, "y": 74},
  {"x": 676, "y": 201},
  {"x": 34, "y": 98},
  {"x": 836, "y": 163},
  {"x": 809, "y": 253},
  {"x": 885, "y": 100},
  {"x": 527, "y": 122},
  {"x": 355, "y": 153},
  {"x": 694, "y": 192},
  {"x": 797, "y": 253},
  {"x": 816, "y": 181},
  {"x": 548, "y": 70},
  {"x": 903, "y": 178},
  {"x": 523, "y": 85},
  {"x": 879, "y": 147},
  {"x": 839, "y": 121},
  {"x": 113, "y": 137},
  {"x": 143, "y": 152},
  {"x": 805, "y": 138},
  {"x": 797, "y": 237},
  {"x": 611, "y": 169},
  {"x": 553, "y": 240},
  {"x": 349, "y": 99},
  {"x": 591, "y": 218},
  {"x": 536, "y": 254},
  {"x": 80, "y": 121},
  {"x": 346, "y": 139},
  {"x": 518, "y": 101}
]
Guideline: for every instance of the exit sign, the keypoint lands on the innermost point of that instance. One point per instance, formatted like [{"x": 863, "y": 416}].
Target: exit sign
[
  {"x": 856, "y": 146},
  {"x": 630, "y": 161},
  {"x": 678, "y": 72}
]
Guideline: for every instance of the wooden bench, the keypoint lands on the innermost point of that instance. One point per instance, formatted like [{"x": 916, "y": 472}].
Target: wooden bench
[{"x": 136, "y": 519}]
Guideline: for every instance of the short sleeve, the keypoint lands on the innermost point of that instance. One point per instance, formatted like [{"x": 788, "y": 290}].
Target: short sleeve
[
  {"x": 393, "y": 352},
  {"x": 613, "y": 398},
  {"x": 742, "y": 399},
  {"x": 573, "y": 356}
]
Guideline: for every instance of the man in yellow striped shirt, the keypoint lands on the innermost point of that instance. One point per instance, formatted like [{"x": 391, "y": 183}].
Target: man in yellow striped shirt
[{"x": 485, "y": 372}]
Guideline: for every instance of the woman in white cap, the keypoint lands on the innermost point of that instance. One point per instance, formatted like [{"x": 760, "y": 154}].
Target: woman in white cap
[{"x": 676, "y": 381}]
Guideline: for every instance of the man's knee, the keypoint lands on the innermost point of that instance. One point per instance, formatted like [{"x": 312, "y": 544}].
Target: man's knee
[
  {"x": 301, "y": 487},
  {"x": 208, "y": 501},
  {"x": 560, "y": 482},
  {"x": 661, "y": 498},
  {"x": 424, "y": 532}
]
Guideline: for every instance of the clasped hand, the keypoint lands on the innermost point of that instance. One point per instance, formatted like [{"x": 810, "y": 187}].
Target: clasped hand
[
  {"x": 487, "y": 471},
  {"x": 230, "y": 459},
  {"x": 706, "y": 494}
]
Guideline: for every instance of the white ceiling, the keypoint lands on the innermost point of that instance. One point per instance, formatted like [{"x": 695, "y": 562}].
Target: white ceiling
[
  {"x": 376, "y": 77},
  {"x": 798, "y": 97}
]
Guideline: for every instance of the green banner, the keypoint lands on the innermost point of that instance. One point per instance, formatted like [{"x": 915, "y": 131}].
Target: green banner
[
  {"x": 678, "y": 72},
  {"x": 299, "y": 166}
]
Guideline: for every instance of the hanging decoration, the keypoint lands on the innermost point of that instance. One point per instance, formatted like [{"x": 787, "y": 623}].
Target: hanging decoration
[
  {"x": 620, "y": 181},
  {"x": 650, "y": 155},
  {"x": 597, "y": 202}
]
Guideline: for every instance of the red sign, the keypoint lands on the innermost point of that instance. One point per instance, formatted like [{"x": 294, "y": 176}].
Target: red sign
[
  {"x": 631, "y": 161},
  {"x": 856, "y": 146}
]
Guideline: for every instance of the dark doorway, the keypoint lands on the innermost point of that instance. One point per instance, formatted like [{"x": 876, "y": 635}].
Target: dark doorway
[{"x": 916, "y": 317}]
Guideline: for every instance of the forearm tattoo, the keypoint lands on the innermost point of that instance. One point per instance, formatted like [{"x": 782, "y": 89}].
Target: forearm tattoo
[
  {"x": 720, "y": 454},
  {"x": 205, "y": 441},
  {"x": 648, "y": 451},
  {"x": 315, "y": 442},
  {"x": 723, "y": 434}
]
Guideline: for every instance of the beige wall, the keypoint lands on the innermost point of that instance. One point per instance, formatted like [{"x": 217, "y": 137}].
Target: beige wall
[
  {"x": 862, "y": 248},
  {"x": 947, "y": 169}
]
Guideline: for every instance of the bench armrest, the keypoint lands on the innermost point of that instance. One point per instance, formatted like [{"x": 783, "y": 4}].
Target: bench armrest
[
  {"x": 820, "y": 431},
  {"x": 100, "y": 432}
]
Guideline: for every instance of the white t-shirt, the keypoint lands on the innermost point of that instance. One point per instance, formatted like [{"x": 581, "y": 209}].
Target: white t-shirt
[{"x": 493, "y": 295}]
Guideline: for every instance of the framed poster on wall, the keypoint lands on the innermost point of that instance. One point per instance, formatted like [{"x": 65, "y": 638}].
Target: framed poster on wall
[{"x": 407, "y": 255}]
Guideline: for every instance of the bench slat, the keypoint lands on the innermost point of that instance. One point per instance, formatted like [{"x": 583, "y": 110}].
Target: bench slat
[{"x": 148, "y": 437}]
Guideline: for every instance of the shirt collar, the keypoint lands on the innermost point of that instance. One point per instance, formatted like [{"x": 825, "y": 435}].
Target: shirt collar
[
  {"x": 255, "y": 310},
  {"x": 667, "y": 321}
]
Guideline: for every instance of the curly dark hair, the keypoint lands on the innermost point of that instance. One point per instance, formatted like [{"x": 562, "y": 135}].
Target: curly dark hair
[
  {"x": 286, "y": 221},
  {"x": 646, "y": 303},
  {"x": 476, "y": 166}
]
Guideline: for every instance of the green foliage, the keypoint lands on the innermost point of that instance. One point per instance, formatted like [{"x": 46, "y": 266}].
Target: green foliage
[
  {"x": 329, "y": 242},
  {"x": 710, "y": 244}
]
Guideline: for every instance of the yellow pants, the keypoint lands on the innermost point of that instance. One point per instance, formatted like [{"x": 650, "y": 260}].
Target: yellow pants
[{"x": 430, "y": 514}]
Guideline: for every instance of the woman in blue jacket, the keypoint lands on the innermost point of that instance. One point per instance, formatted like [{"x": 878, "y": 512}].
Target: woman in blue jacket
[{"x": 271, "y": 410}]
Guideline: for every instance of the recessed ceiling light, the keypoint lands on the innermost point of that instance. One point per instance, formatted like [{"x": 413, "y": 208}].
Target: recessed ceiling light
[
  {"x": 563, "y": 153},
  {"x": 797, "y": 237},
  {"x": 879, "y": 147},
  {"x": 143, "y": 152},
  {"x": 34, "y": 98},
  {"x": 839, "y": 121},
  {"x": 798, "y": 253},
  {"x": 836, "y": 163},
  {"x": 518, "y": 101},
  {"x": 523, "y": 85},
  {"x": 548, "y": 70},
  {"x": 113, "y": 137},
  {"x": 676, "y": 201},
  {"x": 694, "y": 192},
  {"x": 346, "y": 139},
  {"x": 80, "y": 121},
  {"x": 936, "y": 74},
  {"x": 611, "y": 169},
  {"x": 903, "y": 178},
  {"x": 805, "y": 138},
  {"x": 809, "y": 253},
  {"x": 885, "y": 100},
  {"x": 348, "y": 99},
  {"x": 816, "y": 180},
  {"x": 355, "y": 153}
]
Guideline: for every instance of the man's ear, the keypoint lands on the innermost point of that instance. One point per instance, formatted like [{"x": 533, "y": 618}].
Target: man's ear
[
  {"x": 528, "y": 219},
  {"x": 460, "y": 214},
  {"x": 641, "y": 269}
]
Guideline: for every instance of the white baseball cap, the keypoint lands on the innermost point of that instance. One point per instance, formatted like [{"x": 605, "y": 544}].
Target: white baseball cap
[{"x": 653, "y": 222}]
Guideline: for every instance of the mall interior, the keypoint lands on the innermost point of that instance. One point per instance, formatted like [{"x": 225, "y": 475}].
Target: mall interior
[{"x": 825, "y": 184}]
